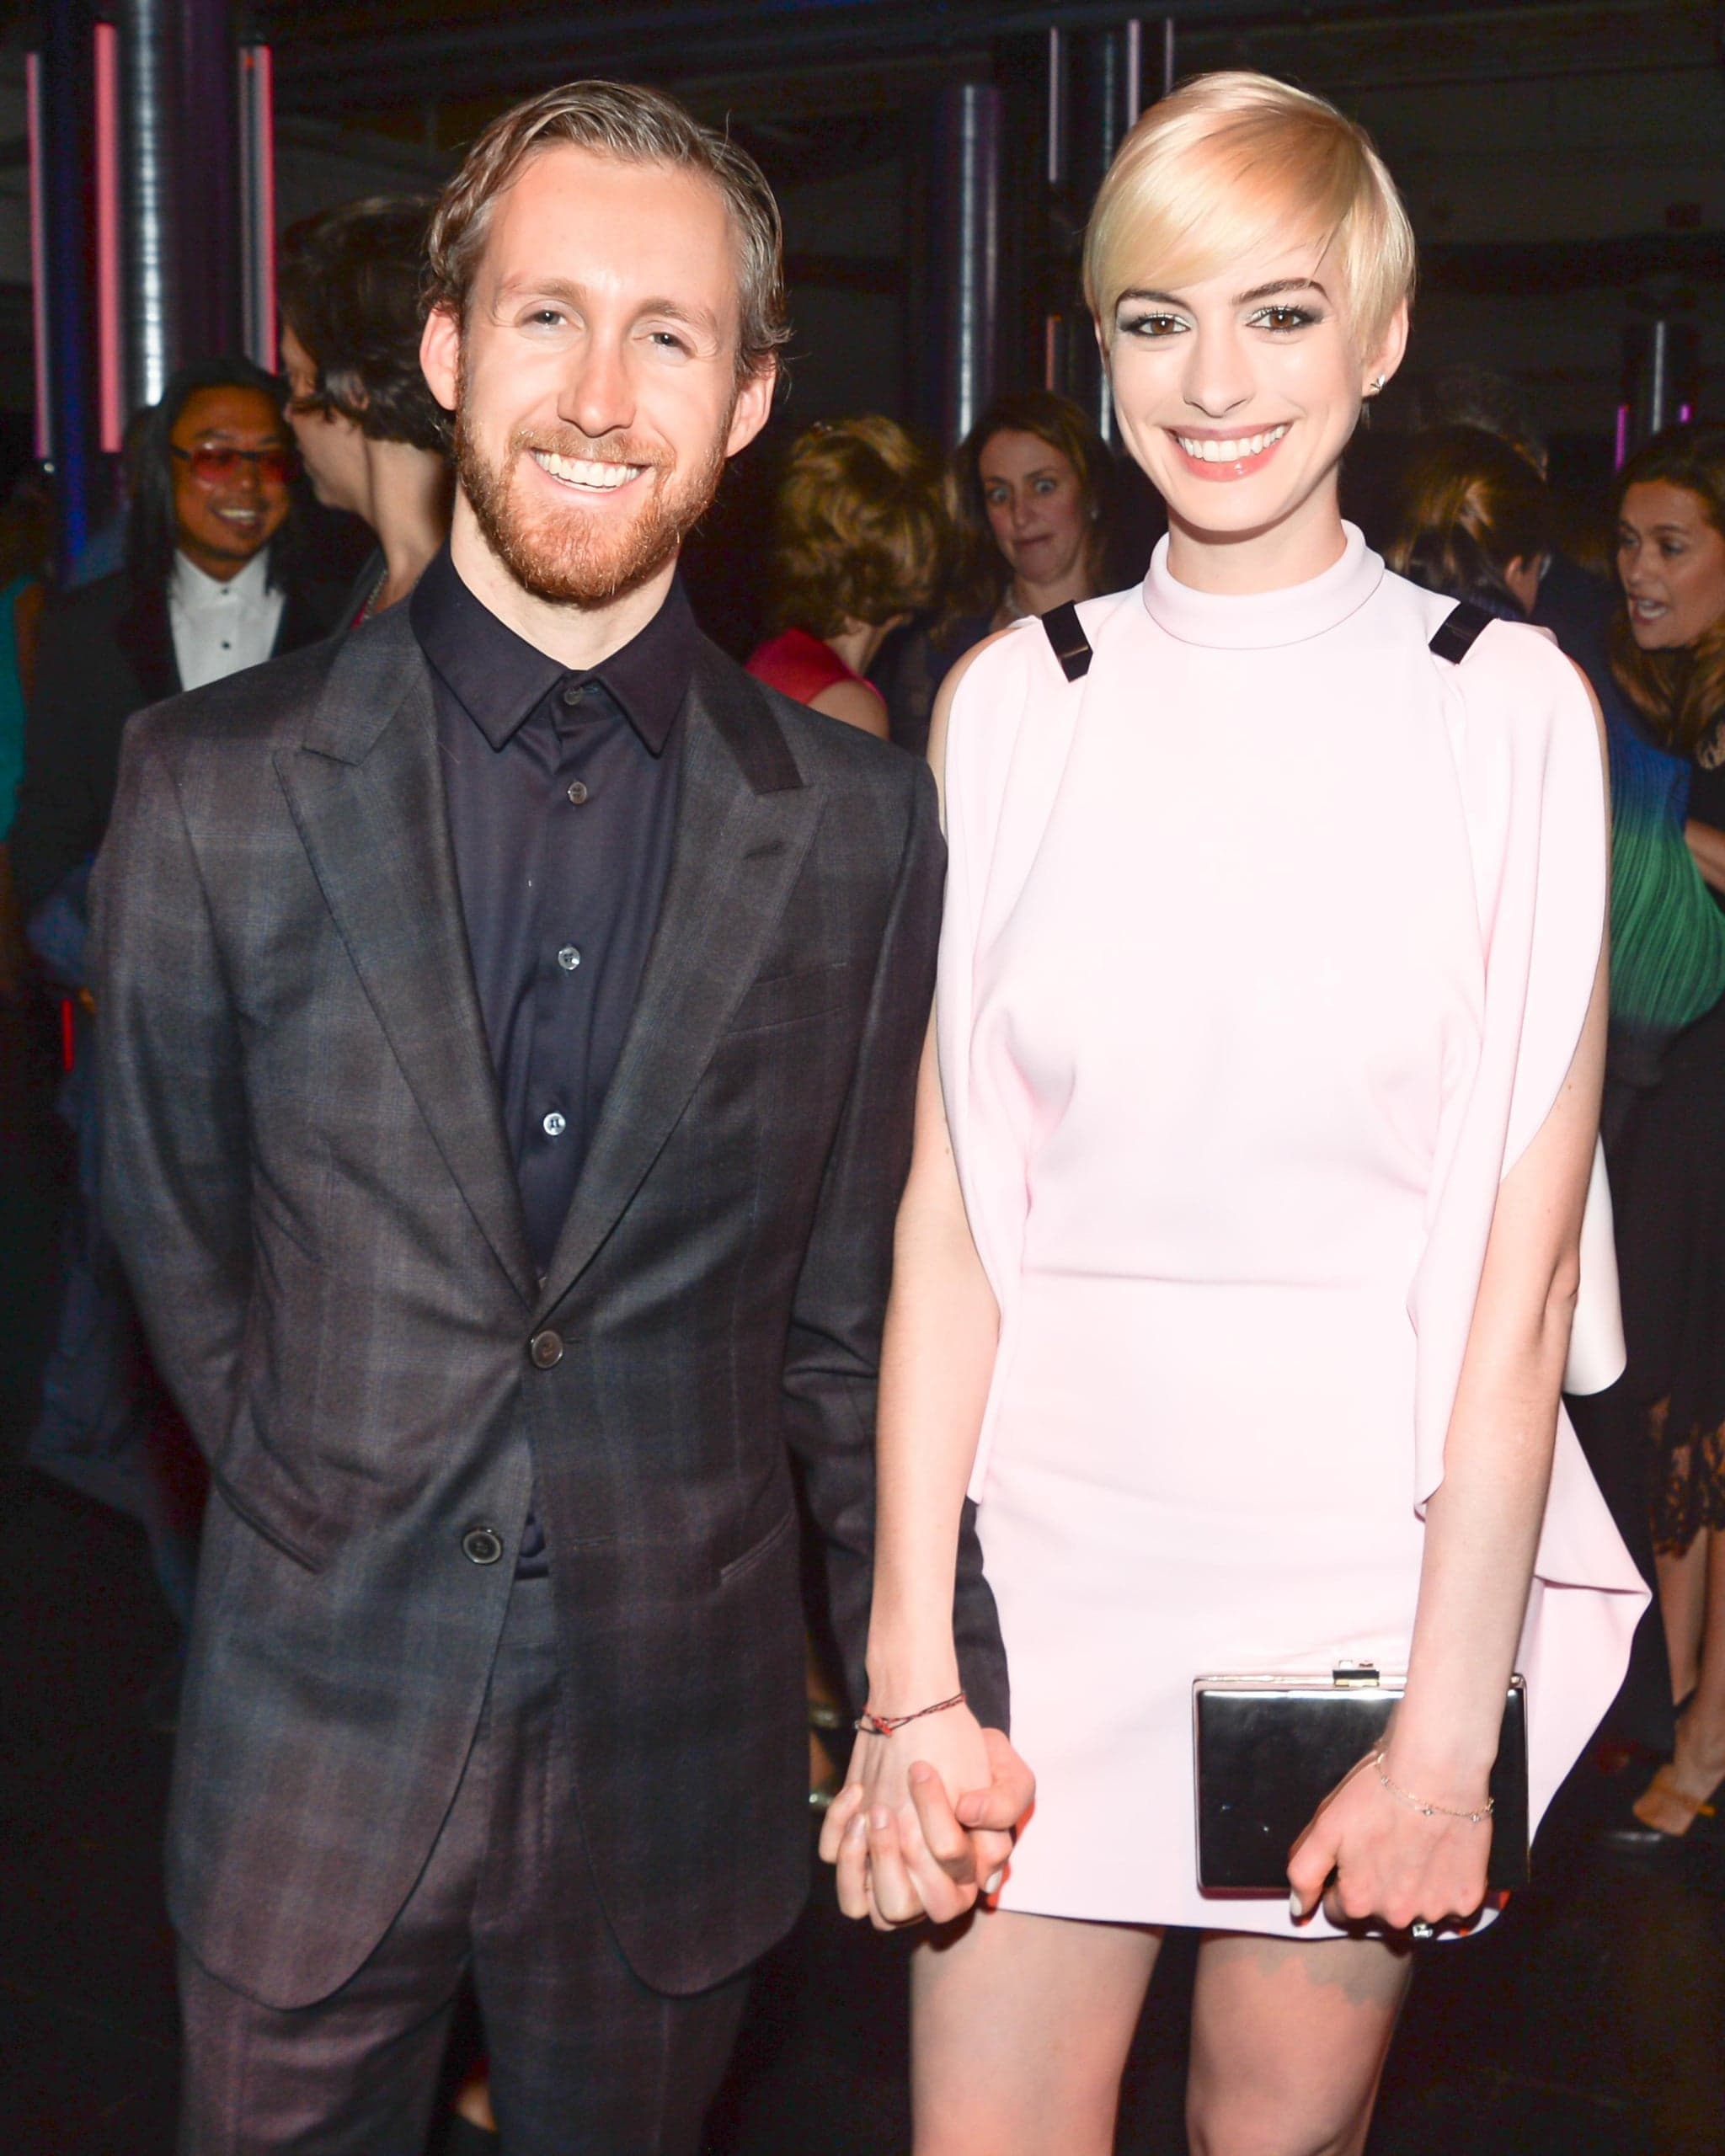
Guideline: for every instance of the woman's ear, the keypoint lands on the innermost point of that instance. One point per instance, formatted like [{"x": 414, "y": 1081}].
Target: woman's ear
[{"x": 1392, "y": 346}]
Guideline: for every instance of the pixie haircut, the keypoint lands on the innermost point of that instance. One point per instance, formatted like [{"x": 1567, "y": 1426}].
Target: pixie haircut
[
  {"x": 350, "y": 292},
  {"x": 635, "y": 126},
  {"x": 862, "y": 533},
  {"x": 1233, "y": 163}
]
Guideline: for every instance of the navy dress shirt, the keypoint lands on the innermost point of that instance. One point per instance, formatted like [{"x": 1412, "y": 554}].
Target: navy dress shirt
[{"x": 562, "y": 789}]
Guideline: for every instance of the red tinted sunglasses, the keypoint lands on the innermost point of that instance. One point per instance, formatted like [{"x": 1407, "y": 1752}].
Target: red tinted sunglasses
[{"x": 210, "y": 466}]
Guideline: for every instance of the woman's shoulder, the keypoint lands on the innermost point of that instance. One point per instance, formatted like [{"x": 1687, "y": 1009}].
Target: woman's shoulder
[
  {"x": 798, "y": 664},
  {"x": 1513, "y": 679}
]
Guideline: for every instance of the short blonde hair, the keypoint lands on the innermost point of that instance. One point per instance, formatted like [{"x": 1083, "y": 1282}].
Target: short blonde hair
[
  {"x": 1230, "y": 163},
  {"x": 863, "y": 534}
]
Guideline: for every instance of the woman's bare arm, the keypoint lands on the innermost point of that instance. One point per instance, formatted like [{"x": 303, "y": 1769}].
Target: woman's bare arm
[{"x": 1707, "y": 844}]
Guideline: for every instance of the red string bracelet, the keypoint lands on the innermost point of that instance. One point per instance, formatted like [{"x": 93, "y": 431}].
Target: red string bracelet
[{"x": 870, "y": 1724}]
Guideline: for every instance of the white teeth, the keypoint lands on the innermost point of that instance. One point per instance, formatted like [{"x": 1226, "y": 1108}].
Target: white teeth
[
  {"x": 587, "y": 470},
  {"x": 1208, "y": 451}
]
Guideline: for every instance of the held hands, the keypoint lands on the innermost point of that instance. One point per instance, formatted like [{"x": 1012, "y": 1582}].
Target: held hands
[
  {"x": 1370, "y": 1855},
  {"x": 903, "y": 1848}
]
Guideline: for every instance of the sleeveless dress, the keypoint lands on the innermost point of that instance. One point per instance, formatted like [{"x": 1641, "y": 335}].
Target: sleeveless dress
[
  {"x": 1268, "y": 946},
  {"x": 799, "y": 665}
]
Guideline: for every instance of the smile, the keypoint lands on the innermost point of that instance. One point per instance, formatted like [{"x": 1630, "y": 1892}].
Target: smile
[
  {"x": 1648, "y": 610},
  {"x": 248, "y": 516},
  {"x": 598, "y": 475},
  {"x": 1237, "y": 453}
]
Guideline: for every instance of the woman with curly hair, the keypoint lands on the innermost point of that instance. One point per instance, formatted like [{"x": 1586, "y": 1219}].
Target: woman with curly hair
[
  {"x": 1667, "y": 652},
  {"x": 373, "y": 437},
  {"x": 861, "y": 543}
]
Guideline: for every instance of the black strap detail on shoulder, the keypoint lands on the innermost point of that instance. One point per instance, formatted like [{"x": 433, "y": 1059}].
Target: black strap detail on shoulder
[
  {"x": 1072, "y": 646},
  {"x": 1459, "y": 630}
]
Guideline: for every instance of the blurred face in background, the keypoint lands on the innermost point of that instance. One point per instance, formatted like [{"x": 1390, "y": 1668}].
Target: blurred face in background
[
  {"x": 332, "y": 446},
  {"x": 1035, "y": 506},
  {"x": 595, "y": 377},
  {"x": 233, "y": 466},
  {"x": 1237, "y": 393},
  {"x": 1671, "y": 560}
]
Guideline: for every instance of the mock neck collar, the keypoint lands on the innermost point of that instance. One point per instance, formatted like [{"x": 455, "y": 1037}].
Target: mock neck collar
[{"x": 1256, "y": 621}]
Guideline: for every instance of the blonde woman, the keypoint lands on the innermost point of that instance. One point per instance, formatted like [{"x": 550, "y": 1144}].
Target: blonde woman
[{"x": 1236, "y": 1264}]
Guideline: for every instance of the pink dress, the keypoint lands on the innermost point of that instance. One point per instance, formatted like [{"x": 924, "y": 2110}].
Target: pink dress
[{"x": 1267, "y": 947}]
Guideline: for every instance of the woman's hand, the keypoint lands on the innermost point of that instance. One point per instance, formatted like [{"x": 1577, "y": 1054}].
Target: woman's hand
[
  {"x": 1391, "y": 1862},
  {"x": 923, "y": 1823}
]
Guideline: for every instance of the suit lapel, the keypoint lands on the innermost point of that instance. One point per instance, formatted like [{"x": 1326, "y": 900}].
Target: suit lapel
[
  {"x": 367, "y": 796},
  {"x": 145, "y": 633},
  {"x": 744, "y": 820}
]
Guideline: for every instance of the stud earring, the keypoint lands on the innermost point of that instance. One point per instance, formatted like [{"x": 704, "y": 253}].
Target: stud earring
[{"x": 1377, "y": 383}]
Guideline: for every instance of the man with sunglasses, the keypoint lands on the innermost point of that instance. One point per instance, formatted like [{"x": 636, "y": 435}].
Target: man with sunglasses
[
  {"x": 212, "y": 583},
  {"x": 209, "y": 587}
]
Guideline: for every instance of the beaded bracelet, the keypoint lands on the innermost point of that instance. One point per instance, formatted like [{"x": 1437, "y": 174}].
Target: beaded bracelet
[
  {"x": 1431, "y": 1810},
  {"x": 871, "y": 1725}
]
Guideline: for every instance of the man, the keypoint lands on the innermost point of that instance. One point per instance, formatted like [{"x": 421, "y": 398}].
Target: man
[{"x": 510, "y": 1016}]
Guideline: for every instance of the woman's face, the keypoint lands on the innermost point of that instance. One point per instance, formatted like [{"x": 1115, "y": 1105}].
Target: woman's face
[
  {"x": 332, "y": 446},
  {"x": 1238, "y": 393},
  {"x": 234, "y": 466},
  {"x": 1671, "y": 558},
  {"x": 1035, "y": 506}
]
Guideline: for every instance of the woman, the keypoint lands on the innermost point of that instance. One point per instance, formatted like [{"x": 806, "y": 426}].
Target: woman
[
  {"x": 1668, "y": 1167},
  {"x": 1473, "y": 521},
  {"x": 861, "y": 545},
  {"x": 373, "y": 437},
  {"x": 1236, "y": 1260},
  {"x": 1029, "y": 485}
]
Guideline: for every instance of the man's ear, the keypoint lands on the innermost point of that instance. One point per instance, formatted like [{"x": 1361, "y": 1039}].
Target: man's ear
[
  {"x": 440, "y": 355},
  {"x": 752, "y": 409}
]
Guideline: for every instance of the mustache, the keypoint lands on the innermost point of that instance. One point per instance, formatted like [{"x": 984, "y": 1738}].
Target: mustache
[{"x": 601, "y": 449}]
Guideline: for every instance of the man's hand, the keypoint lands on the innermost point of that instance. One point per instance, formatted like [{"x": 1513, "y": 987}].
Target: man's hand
[{"x": 925, "y": 1855}]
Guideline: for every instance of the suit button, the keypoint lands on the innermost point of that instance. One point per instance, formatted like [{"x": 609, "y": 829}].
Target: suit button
[
  {"x": 481, "y": 1545},
  {"x": 546, "y": 1349}
]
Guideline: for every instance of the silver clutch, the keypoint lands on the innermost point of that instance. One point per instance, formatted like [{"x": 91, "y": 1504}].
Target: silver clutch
[{"x": 1268, "y": 1750}]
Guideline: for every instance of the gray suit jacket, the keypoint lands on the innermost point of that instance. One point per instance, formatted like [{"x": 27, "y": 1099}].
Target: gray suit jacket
[{"x": 307, "y": 1176}]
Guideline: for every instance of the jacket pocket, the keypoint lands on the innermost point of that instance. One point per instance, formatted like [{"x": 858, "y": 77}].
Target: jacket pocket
[
  {"x": 785, "y": 997},
  {"x": 757, "y": 1553}
]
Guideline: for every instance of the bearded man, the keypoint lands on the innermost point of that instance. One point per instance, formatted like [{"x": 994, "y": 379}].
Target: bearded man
[{"x": 510, "y": 1019}]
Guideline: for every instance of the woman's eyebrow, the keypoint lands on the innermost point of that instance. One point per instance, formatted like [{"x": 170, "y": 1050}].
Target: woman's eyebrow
[{"x": 1282, "y": 284}]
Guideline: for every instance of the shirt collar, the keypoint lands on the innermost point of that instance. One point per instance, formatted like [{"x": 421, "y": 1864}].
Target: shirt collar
[
  {"x": 193, "y": 587},
  {"x": 500, "y": 679}
]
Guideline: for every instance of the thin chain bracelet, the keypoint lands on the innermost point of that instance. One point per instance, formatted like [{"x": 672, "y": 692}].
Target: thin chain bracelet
[
  {"x": 870, "y": 1725},
  {"x": 1431, "y": 1810}
]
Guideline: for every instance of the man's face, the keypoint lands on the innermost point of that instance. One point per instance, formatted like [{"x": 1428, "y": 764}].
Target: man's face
[
  {"x": 234, "y": 465},
  {"x": 593, "y": 379}
]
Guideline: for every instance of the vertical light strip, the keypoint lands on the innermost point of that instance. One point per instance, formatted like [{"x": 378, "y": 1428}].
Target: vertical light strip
[
  {"x": 257, "y": 154},
  {"x": 1167, "y": 55},
  {"x": 1056, "y": 108},
  {"x": 38, "y": 260},
  {"x": 110, "y": 344},
  {"x": 1133, "y": 84}
]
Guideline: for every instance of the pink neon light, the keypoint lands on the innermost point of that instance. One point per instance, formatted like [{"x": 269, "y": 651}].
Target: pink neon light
[
  {"x": 110, "y": 359},
  {"x": 39, "y": 260},
  {"x": 1622, "y": 450},
  {"x": 258, "y": 62}
]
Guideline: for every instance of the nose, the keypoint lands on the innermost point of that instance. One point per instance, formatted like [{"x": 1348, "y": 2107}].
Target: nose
[
  {"x": 1217, "y": 376},
  {"x": 597, "y": 394}
]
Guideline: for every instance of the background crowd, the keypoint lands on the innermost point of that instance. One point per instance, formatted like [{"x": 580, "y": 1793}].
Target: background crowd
[{"x": 262, "y": 513}]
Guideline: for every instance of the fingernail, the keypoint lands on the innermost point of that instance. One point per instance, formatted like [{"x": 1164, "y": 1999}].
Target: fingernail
[
  {"x": 880, "y": 1819},
  {"x": 992, "y": 1884},
  {"x": 856, "y": 1829},
  {"x": 921, "y": 1771},
  {"x": 1296, "y": 1907}
]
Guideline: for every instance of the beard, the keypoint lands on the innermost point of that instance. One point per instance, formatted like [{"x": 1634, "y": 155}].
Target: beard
[{"x": 570, "y": 556}]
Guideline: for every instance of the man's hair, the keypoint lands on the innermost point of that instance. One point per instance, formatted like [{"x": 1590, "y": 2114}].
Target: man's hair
[
  {"x": 1680, "y": 693},
  {"x": 1469, "y": 506},
  {"x": 862, "y": 532},
  {"x": 349, "y": 284},
  {"x": 1235, "y": 162},
  {"x": 636, "y": 126},
  {"x": 151, "y": 527}
]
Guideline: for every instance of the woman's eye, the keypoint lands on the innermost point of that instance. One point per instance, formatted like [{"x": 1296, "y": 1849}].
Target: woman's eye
[
  {"x": 1280, "y": 320},
  {"x": 1151, "y": 325},
  {"x": 1670, "y": 547}
]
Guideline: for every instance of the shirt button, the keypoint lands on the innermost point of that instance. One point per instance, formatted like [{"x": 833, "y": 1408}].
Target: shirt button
[
  {"x": 574, "y": 692},
  {"x": 554, "y": 1124},
  {"x": 578, "y": 793},
  {"x": 481, "y": 1545},
  {"x": 568, "y": 957},
  {"x": 545, "y": 1350}
]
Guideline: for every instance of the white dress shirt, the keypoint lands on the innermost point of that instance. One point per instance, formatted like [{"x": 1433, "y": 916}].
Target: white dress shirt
[{"x": 218, "y": 628}]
